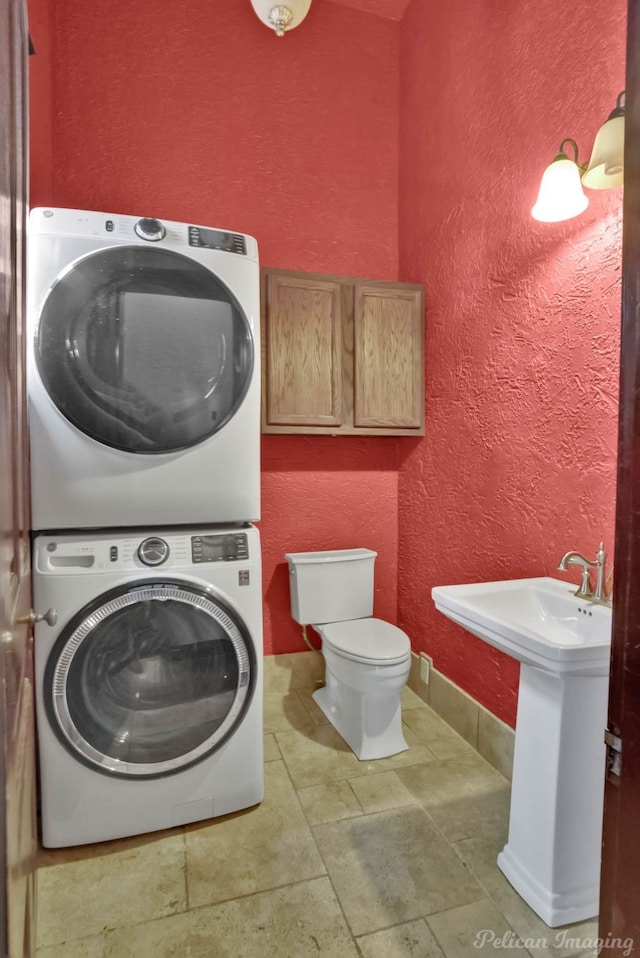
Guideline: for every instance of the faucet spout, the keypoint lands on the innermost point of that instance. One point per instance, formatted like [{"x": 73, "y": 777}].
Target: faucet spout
[{"x": 574, "y": 558}]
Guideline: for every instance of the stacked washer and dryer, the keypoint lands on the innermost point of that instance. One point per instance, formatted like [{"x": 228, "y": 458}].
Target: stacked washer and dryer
[{"x": 143, "y": 368}]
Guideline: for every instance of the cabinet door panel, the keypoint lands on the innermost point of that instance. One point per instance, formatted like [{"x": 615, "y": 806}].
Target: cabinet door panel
[
  {"x": 303, "y": 352},
  {"x": 388, "y": 333}
]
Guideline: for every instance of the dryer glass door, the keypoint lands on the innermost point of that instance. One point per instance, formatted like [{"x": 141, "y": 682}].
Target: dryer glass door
[
  {"x": 149, "y": 679},
  {"x": 143, "y": 349}
]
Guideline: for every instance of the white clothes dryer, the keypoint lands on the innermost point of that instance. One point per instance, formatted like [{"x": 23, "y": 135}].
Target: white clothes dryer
[
  {"x": 143, "y": 370},
  {"x": 148, "y": 670}
]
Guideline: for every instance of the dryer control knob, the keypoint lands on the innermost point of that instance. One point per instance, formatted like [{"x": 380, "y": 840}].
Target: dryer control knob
[
  {"x": 153, "y": 551},
  {"x": 150, "y": 229}
]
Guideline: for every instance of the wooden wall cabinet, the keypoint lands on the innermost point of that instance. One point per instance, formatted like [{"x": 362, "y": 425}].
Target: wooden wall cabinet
[{"x": 341, "y": 355}]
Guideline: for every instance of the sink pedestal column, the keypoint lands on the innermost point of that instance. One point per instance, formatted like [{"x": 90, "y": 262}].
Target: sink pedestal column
[{"x": 552, "y": 857}]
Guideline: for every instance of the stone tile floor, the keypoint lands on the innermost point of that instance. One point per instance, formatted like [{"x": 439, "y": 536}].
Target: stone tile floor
[{"x": 388, "y": 859}]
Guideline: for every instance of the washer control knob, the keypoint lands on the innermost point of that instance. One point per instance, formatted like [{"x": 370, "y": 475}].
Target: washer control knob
[
  {"x": 153, "y": 551},
  {"x": 150, "y": 229}
]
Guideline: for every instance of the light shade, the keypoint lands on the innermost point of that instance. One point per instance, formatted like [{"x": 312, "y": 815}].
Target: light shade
[
  {"x": 606, "y": 166},
  {"x": 561, "y": 196},
  {"x": 281, "y": 16}
]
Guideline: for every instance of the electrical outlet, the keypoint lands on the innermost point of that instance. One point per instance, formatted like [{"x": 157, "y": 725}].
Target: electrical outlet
[{"x": 425, "y": 665}]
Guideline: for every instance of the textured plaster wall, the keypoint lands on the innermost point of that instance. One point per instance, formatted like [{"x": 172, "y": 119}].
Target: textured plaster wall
[
  {"x": 393, "y": 9},
  {"x": 522, "y": 319},
  {"x": 174, "y": 110},
  {"x": 169, "y": 111},
  {"x": 40, "y": 99}
]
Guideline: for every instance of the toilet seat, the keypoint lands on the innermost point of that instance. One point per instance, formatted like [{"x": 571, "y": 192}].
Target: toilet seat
[{"x": 370, "y": 641}]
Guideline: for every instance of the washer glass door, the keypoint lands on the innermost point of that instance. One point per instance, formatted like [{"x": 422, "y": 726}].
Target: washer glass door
[
  {"x": 149, "y": 679},
  {"x": 143, "y": 349}
]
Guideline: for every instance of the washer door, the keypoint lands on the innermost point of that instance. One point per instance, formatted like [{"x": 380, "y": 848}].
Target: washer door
[
  {"x": 149, "y": 679},
  {"x": 143, "y": 349}
]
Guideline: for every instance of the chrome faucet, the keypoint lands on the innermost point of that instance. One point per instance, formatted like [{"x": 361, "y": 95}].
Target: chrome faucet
[{"x": 585, "y": 589}]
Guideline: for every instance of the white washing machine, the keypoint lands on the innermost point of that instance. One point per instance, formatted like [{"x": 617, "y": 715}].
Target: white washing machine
[
  {"x": 148, "y": 679},
  {"x": 143, "y": 370}
]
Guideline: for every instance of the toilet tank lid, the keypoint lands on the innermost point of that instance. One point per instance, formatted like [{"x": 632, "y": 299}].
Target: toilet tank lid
[{"x": 335, "y": 555}]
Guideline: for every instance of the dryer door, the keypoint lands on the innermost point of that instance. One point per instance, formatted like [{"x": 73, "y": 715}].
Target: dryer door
[
  {"x": 149, "y": 679},
  {"x": 144, "y": 349}
]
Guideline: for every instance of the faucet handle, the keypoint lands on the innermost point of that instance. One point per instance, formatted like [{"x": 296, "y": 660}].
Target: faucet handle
[
  {"x": 600, "y": 594},
  {"x": 586, "y": 586}
]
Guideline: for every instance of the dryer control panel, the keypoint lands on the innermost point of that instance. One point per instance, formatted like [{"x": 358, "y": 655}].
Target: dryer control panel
[
  {"x": 217, "y": 239},
  {"x": 116, "y": 228}
]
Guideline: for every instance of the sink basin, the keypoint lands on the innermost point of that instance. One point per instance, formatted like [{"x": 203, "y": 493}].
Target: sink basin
[{"x": 538, "y": 621}]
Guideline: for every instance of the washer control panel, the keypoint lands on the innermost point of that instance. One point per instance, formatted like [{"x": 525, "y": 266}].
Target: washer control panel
[{"x": 84, "y": 553}]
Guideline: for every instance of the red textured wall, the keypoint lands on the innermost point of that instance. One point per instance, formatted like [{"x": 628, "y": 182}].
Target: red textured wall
[
  {"x": 364, "y": 146},
  {"x": 184, "y": 113},
  {"x": 40, "y": 100},
  {"x": 394, "y": 9},
  {"x": 173, "y": 110},
  {"x": 518, "y": 462}
]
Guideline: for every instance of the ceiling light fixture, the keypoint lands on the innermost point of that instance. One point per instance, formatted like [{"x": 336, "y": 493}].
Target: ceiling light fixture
[
  {"x": 281, "y": 16},
  {"x": 561, "y": 196}
]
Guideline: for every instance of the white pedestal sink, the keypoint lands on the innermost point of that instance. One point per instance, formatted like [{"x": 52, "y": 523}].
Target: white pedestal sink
[{"x": 552, "y": 857}]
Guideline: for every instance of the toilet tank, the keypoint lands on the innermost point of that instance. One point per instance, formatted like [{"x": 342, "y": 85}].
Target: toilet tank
[{"x": 331, "y": 586}]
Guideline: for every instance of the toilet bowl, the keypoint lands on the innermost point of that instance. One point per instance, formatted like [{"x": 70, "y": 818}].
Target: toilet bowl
[{"x": 367, "y": 660}]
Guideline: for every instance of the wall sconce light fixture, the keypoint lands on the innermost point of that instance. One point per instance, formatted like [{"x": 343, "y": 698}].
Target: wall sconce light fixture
[
  {"x": 561, "y": 196},
  {"x": 281, "y": 16}
]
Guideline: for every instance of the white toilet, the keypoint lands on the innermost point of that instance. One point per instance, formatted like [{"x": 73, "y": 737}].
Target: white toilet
[{"x": 367, "y": 660}]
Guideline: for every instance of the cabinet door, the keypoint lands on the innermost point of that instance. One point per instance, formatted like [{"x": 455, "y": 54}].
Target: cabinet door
[
  {"x": 303, "y": 345},
  {"x": 388, "y": 351}
]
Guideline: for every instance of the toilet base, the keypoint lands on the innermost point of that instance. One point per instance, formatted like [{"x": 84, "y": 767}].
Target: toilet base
[{"x": 371, "y": 726}]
